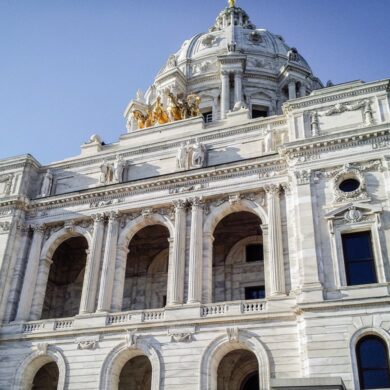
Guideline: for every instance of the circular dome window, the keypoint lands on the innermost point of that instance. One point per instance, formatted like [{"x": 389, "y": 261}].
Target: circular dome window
[{"x": 349, "y": 185}]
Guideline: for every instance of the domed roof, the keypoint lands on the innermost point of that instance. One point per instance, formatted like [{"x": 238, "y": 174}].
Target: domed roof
[{"x": 233, "y": 32}]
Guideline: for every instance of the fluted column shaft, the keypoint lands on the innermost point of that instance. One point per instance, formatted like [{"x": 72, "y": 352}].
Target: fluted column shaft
[
  {"x": 177, "y": 256},
  {"x": 277, "y": 283},
  {"x": 237, "y": 86},
  {"x": 225, "y": 94},
  {"x": 30, "y": 277},
  {"x": 108, "y": 270},
  {"x": 196, "y": 253},
  {"x": 91, "y": 276}
]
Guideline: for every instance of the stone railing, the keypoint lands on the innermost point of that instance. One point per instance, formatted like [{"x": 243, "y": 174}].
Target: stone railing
[{"x": 212, "y": 310}]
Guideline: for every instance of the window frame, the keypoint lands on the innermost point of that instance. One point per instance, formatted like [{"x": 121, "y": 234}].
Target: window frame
[
  {"x": 254, "y": 244},
  {"x": 360, "y": 369}
]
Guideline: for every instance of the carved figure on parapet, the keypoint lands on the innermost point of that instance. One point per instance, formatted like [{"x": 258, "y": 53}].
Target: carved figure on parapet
[
  {"x": 268, "y": 141},
  {"x": 191, "y": 155},
  {"x": 47, "y": 184},
  {"x": 119, "y": 169},
  {"x": 7, "y": 180},
  {"x": 368, "y": 115},
  {"x": 198, "y": 154},
  {"x": 293, "y": 55},
  {"x": 106, "y": 172}
]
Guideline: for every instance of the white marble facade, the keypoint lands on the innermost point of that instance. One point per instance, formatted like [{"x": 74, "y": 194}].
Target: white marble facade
[{"x": 127, "y": 266}]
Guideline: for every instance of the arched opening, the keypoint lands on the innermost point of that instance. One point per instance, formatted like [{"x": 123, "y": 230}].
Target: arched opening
[
  {"x": 238, "y": 258},
  {"x": 136, "y": 374},
  {"x": 147, "y": 269},
  {"x": 238, "y": 370},
  {"x": 65, "y": 281},
  {"x": 373, "y": 363},
  {"x": 46, "y": 377}
]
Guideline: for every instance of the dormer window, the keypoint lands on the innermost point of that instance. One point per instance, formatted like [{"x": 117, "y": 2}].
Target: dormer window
[{"x": 259, "y": 112}]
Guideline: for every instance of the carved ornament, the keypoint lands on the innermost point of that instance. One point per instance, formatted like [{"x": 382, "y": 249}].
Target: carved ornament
[{"x": 233, "y": 334}]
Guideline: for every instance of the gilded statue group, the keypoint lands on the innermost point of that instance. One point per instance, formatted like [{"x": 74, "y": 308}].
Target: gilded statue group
[{"x": 177, "y": 109}]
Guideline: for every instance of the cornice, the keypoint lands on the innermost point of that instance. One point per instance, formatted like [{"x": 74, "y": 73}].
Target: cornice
[{"x": 308, "y": 101}]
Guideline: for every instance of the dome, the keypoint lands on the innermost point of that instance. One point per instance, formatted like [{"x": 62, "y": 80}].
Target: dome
[{"x": 232, "y": 66}]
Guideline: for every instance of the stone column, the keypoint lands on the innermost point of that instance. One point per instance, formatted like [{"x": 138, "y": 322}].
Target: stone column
[
  {"x": 196, "y": 253},
  {"x": 302, "y": 90},
  {"x": 311, "y": 287},
  {"x": 40, "y": 288},
  {"x": 177, "y": 256},
  {"x": 277, "y": 283},
  {"x": 237, "y": 86},
  {"x": 225, "y": 93},
  {"x": 207, "y": 288},
  {"x": 119, "y": 279},
  {"x": 292, "y": 90},
  {"x": 91, "y": 276},
  {"x": 108, "y": 270},
  {"x": 30, "y": 276}
]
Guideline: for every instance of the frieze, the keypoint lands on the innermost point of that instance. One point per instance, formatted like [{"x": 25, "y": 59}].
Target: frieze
[
  {"x": 180, "y": 190},
  {"x": 105, "y": 203}
]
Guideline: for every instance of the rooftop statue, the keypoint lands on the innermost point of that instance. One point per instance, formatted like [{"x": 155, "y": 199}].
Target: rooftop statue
[{"x": 177, "y": 109}]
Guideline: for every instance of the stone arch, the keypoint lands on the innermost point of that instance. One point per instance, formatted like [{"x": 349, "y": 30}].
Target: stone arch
[
  {"x": 133, "y": 227},
  {"x": 226, "y": 208},
  {"x": 28, "y": 368},
  {"x": 120, "y": 355},
  {"x": 127, "y": 234},
  {"x": 61, "y": 236},
  {"x": 358, "y": 335},
  {"x": 221, "y": 346}
]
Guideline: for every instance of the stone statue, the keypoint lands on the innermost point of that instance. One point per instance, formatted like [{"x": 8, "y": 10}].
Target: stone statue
[
  {"x": 368, "y": 115},
  {"x": 292, "y": 54},
  {"x": 105, "y": 172},
  {"x": 47, "y": 184},
  {"x": 182, "y": 157},
  {"x": 95, "y": 138},
  {"x": 119, "y": 168},
  {"x": 198, "y": 155}
]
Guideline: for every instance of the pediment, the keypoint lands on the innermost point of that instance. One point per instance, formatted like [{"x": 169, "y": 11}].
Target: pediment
[{"x": 364, "y": 208}]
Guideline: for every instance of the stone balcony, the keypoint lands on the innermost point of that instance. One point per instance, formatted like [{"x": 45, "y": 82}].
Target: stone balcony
[{"x": 213, "y": 312}]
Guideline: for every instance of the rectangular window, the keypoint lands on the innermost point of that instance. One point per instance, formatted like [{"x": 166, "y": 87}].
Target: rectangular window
[
  {"x": 259, "y": 112},
  {"x": 208, "y": 116},
  {"x": 254, "y": 252},
  {"x": 255, "y": 292},
  {"x": 359, "y": 258}
]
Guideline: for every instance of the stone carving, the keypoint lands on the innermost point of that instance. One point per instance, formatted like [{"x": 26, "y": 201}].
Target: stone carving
[
  {"x": 314, "y": 123},
  {"x": 106, "y": 172},
  {"x": 7, "y": 180},
  {"x": 303, "y": 177},
  {"x": 119, "y": 169},
  {"x": 353, "y": 215},
  {"x": 349, "y": 172},
  {"x": 202, "y": 67},
  {"x": 41, "y": 348},
  {"x": 180, "y": 190},
  {"x": 69, "y": 225},
  {"x": 255, "y": 37},
  {"x": 5, "y": 226},
  {"x": 208, "y": 40},
  {"x": 292, "y": 55},
  {"x": 47, "y": 184},
  {"x": 103, "y": 203},
  {"x": 94, "y": 139},
  {"x": 268, "y": 144},
  {"x": 171, "y": 63},
  {"x": 181, "y": 334},
  {"x": 191, "y": 155},
  {"x": 131, "y": 339},
  {"x": 232, "y": 47},
  {"x": 235, "y": 199},
  {"x": 147, "y": 213},
  {"x": 233, "y": 334},
  {"x": 91, "y": 344},
  {"x": 198, "y": 155},
  {"x": 343, "y": 107}
]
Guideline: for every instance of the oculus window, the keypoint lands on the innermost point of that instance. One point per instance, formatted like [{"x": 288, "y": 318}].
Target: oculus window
[
  {"x": 373, "y": 363},
  {"x": 254, "y": 252},
  {"x": 255, "y": 292},
  {"x": 359, "y": 258}
]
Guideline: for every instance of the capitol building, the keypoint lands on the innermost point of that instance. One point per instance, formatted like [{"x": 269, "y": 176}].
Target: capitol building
[{"x": 235, "y": 237}]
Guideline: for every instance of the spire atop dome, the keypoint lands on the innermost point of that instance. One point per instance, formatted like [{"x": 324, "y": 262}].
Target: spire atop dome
[
  {"x": 232, "y": 3},
  {"x": 232, "y": 13}
]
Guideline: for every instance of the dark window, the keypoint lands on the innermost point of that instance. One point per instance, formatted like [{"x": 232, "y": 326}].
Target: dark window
[
  {"x": 359, "y": 259},
  {"x": 259, "y": 113},
  {"x": 349, "y": 185},
  {"x": 255, "y": 292},
  {"x": 373, "y": 363},
  {"x": 164, "y": 302},
  {"x": 208, "y": 116},
  {"x": 254, "y": 252}
]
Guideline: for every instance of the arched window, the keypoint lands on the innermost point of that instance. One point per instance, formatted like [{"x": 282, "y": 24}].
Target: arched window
[{"x": 373, "y": 363}]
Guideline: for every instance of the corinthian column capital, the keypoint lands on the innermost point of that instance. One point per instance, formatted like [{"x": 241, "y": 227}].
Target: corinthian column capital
[
  {"x": 99, "y": 217},
  {"x": 179, "y": 203},
  {"x": 197, "y": 202},
  {"x": 272, "y": 189}
]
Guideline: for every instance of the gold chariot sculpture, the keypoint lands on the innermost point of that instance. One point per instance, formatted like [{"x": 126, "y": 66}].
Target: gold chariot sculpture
[{"x": 177, "y": 109}]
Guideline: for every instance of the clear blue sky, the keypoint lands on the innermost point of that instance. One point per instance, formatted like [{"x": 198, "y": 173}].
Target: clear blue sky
[{"x": 68, "y": 68}]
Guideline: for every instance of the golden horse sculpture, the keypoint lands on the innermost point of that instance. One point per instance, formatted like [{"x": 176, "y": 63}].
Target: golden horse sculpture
[{"x": 176, "y": 111}]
